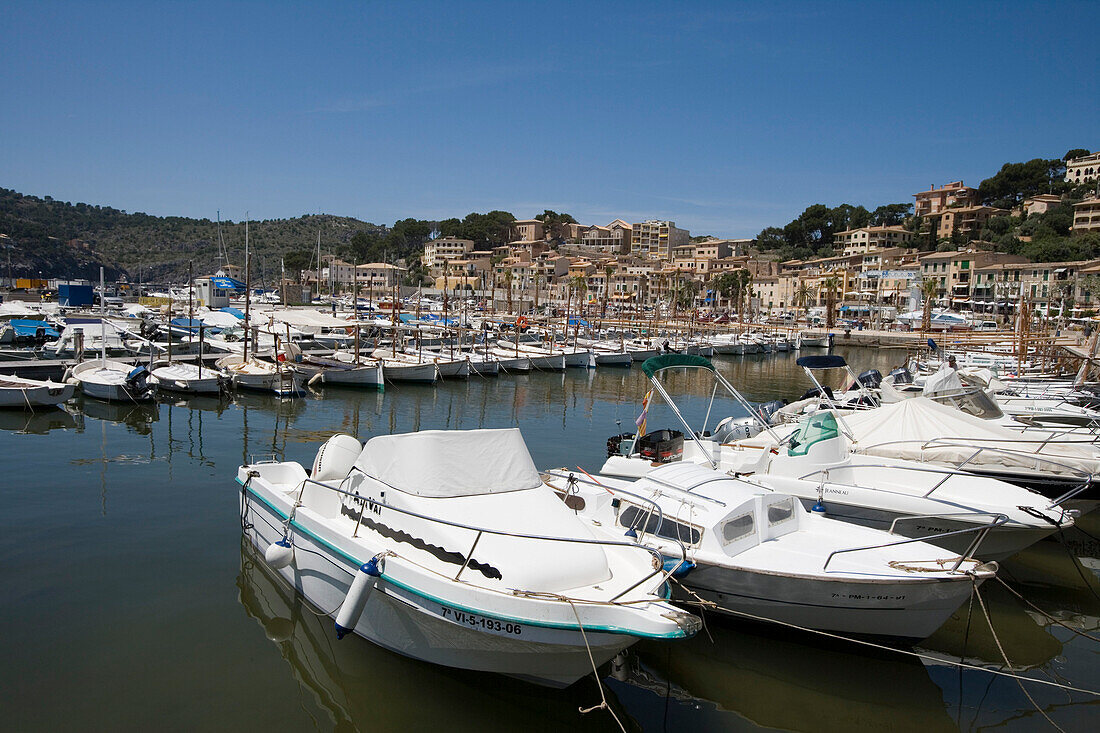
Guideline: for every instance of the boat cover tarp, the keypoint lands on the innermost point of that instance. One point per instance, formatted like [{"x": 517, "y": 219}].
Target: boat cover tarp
[
  {"x": 945, "y": 381},
  {"x": 449, "y": 463},
  {"x": 26, "y": 327},
  {"x": 904, "y": 429},
  {"x": 824, "y": 361},
  {"x": 306, "y": 318},
  {"x": 656, "y": 363}
]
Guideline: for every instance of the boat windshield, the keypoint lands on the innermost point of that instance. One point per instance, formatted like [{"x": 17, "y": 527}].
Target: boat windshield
[
  {"x": 973, "y": 402},
  {"x": 819, "y": 427}
]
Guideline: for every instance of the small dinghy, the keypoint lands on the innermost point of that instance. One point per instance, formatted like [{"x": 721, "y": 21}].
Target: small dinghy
[
  {"x": 260, "y": 376},
  {"x": 446, "y": 546},
  {"x": 27, "y": 394},
  {"x": 187, "y": 378},
  {"x": 113, "y": 381},
  {"x": 759, "y": 552}
]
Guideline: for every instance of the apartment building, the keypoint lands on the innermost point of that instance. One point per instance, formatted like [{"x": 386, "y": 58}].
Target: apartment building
[
  {"x": 965, "y": 220},
  {"x": 439, "y": 251},
  {"x": 528, "y": 230},
  {"x": 1040, "y": 204},
  {"x": 378, "y": 276},
  {"x": 954, "y": 270},
  {"x": 612, "y": 239},
  {"x": 655, "y": 240},
  {"x": 1086, "y": 216},
  {"x": 1085, "y": 169},
  {"x": 935, "y": 200},
  {"x": 865, "y": 239}
]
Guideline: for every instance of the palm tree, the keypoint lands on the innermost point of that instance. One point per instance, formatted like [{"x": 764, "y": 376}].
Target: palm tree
[
  {"x": 744, "y": 278},
  {"x": 830, "y": 285},
  {"x": 928, "y": 289},
  {"x": 608, "y": 271},
  {"x": 580, "y": 285},
  {"x": 802, "y": 295},
  {"x": 538, "y": 272},
  {"x": 508, "y": 284}
]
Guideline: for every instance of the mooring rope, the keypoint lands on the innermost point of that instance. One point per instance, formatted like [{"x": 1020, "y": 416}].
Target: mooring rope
[{"x": 863, "y": 642}]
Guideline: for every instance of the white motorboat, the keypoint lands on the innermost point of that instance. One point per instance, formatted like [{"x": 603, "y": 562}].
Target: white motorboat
[
  {"x": 27, "y": 394},
  {"x": 260, "y": 376},
  {"x": 401, "y": 367},
  {"x": 541, "y": 359},
  {"x": 450, "y": 367},
  {"x": 507, "y": 359},
  {"x": 446, "y": 546},
  {"x": 755, "y": 551},
  {"x": 806, "y": 340},
  {"x": 345, "y": 371},
  {"x": 113, "y": 381},
  {"x": 186, "y": 378},
  {"x": 815, "y": 461}
]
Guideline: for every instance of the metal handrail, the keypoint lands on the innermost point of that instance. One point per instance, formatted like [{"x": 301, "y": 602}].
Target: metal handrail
[
  {"x": 983, "y": 530},
  {"x": 1085, "y": 477},
  {"x": 640, "y": 499},
  {"x": 518, "y": 535}
]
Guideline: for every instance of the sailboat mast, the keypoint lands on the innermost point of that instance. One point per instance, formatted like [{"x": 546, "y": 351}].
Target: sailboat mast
[
  {"x": 103, "y": 320},
  {"x": 247, "y": 285}
]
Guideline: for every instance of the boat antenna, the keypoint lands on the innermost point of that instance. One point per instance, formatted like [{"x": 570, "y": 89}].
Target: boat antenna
[
  {"x": 221, "y": 242},
  {"x": 247, "y": 284},
  {"x": 103, "y": 321}
]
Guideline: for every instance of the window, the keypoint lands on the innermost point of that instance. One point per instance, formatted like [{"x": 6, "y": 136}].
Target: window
[
  {"x": 781, "y": 511},
  {"x": 737, "y": 528},
  {"x": 633, "y": 517}
]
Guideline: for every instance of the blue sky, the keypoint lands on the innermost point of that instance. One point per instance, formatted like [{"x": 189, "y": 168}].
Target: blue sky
[{"x": 725, "y": 117}]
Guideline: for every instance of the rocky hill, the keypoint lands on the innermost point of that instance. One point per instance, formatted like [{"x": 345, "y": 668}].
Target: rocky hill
[{"x": 60, "y": 239}]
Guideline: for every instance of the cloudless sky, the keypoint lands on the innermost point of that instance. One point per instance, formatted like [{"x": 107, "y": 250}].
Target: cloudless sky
[{"x": 725, "y": 117}]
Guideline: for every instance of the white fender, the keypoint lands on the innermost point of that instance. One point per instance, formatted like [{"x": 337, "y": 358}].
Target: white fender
[
  {"x": 352, "y": 607},
  {"x": 279, "y": 555}
]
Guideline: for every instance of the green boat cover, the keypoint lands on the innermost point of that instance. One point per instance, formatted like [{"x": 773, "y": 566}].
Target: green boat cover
[{"x": 668, "y": 361}]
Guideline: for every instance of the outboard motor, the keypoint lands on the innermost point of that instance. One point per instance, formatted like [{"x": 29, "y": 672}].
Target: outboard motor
[
  {"x": 768, "y": 409},
  {"x": 137, "y": 381},
  {"x": 620, "y": 445},
  {"x": 662, "y": 446},
  {"x": 816, "y": 392},
  {"x": 872, "y": 378},
  {"x": 901, "y": 375},
  {"x": 736, "y": 428}
]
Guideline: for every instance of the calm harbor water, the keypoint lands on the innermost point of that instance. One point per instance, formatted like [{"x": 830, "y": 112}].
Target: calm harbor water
[{"x": 130, "y": 602}]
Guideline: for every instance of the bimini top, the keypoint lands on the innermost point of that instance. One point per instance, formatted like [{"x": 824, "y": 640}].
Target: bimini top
[
  {"x": 448, "y": 463},
  {"x": 655, "y": 364},
  {"x": 825, "y": 361}
]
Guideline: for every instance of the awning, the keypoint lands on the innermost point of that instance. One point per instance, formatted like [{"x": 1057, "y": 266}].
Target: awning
[{"x": 227, "y": 283}]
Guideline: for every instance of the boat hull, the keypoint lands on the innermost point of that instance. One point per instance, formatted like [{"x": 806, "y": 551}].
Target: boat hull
[
  {"x": 427, "y": 629},
  {"x": 22, "y": 397},
  {"x": 908, "y": 611}
]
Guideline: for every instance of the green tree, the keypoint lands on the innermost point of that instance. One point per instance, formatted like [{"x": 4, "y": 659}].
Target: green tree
[
  {"x": 554, "y": 224},
  {"x": 1075, "y": 153},
  {"x": 830, "y": 285},
  {"x": 803, "y": 295},
  {"x": 889, "y": 215},
  {"x": 928, "y": 290},
  {"x": 608, "y": 271},
  {"x": 1016, "y": 181}
]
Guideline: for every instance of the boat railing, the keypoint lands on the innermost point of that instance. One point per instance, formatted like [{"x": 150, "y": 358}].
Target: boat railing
[
  {"x": 658, "y": 559},
  {"x": 981, "y": 531},
  {"x": 1065, "y": 470}
]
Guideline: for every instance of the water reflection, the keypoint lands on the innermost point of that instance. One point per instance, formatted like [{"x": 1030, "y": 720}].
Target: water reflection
[
  {"x": 777, "y": 679},
  {"x": 39, "y": 422},
  {"x": 137, "y": 417},
  {"x": 361, "y": 686}
]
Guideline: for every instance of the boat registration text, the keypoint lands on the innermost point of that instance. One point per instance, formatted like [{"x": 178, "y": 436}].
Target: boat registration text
[{"x": 474, "y": 621}]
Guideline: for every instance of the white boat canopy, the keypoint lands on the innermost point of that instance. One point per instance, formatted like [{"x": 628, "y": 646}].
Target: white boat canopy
[
  {"x": 920, "y": 429},
  {"x": 450, "y": 463}
]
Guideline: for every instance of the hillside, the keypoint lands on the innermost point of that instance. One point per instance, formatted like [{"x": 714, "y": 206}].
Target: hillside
[{"x": 62, "y": 239}]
